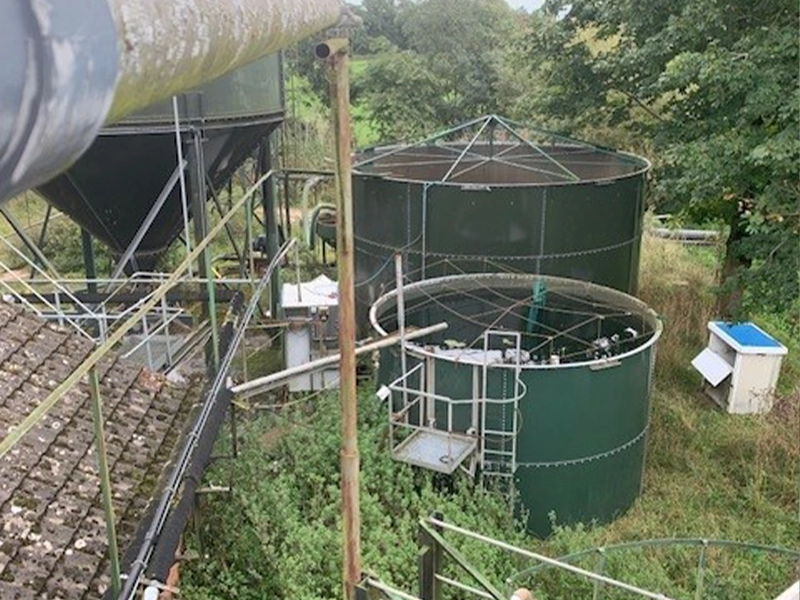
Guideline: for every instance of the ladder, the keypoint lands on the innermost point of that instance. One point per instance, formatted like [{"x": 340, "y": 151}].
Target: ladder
[{"x": 500, "y": 416}]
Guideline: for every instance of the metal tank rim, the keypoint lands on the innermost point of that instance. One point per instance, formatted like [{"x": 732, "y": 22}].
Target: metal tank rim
[
  {"x": 644, "y": 166},
  {"x": 190, "y": 124},
  {"x": 626, "y": 301}
]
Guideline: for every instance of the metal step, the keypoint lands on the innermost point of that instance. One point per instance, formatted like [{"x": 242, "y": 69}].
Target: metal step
[
  {"x": 498, "y": 452},
  {"x": 435, "y": 450}
]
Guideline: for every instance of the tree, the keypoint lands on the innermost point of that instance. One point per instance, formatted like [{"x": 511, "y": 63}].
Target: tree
[
  {"x": 462, "y": 43},
  {"x": 403, "y": 96},
  {"x": 452, "y": 70},
  {"x": 381, "y": 19},
  {"x": 715, "y": 86}
]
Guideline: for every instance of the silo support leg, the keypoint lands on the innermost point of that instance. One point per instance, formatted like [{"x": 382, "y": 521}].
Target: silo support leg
[
  {"x": 197, "y": 183},
  {"x": 89, "y": 263}
]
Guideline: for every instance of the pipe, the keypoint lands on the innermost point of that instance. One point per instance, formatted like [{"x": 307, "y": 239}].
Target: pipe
[
  {"x": 311, "y": 221},
  {"x": 60, "y": 66},
  {"x": 307, "y": 187},
  {"x": 70, "y": 67},
  {"x": 273, "y": 380},
  {"x": 791, "y": 593},
  {"x": 687, "y": 236}
]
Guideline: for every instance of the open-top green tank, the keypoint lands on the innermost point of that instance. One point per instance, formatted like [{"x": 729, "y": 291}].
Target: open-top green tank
[
  {"x": 544, "y": 382},
  {"x": 492, "y": 196}
]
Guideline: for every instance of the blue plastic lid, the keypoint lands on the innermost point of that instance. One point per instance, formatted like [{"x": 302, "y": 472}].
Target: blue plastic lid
[{"x": 748, "y": 334}]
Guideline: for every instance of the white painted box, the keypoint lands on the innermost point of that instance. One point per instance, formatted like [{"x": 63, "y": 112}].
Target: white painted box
[
  {"x": 740, "y": 366},
  {"x": 311, "y": 308}
]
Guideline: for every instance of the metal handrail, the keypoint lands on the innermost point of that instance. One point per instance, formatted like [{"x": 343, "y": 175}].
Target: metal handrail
[
  {"x": 10, "y": 440},
  {"x": 430, "y": 522},
  {"x": 703, "y": 543}
]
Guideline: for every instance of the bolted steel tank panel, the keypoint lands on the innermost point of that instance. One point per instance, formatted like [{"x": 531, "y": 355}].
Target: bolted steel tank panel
[
  {"x": 556, "y": 208},
  {"x": 110, "y": 190},
  {"x": 585, "y": 375}
]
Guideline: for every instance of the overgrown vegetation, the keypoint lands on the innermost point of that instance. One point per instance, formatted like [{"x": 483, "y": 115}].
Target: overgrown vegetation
[
  {"x": 709, "y": 475},
  {"x": 708, "y": 91},
  {"x": 277, "y": 534},
  {"x": 713, "y": 88}
]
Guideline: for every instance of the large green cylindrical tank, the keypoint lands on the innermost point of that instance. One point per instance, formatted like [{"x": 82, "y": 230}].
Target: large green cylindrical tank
[
  {"x": 487, "y": 202},
  {"x": 110, "y": 190},
  {"x": 574, "y": 409}
]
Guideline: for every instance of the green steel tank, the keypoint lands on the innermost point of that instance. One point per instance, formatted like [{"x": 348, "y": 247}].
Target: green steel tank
[
  {"x": 110, "y": 189},
  {"x": 496, "y": 195},
  {"x": 539, "y": 384}
]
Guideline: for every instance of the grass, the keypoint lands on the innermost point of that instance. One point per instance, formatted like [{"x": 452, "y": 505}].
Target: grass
[{"x": 708, "y": 475}]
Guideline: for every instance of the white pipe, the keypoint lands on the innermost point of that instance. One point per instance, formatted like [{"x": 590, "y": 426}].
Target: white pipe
[
  {"x": 790, "y": 593},
  {"x": 268, "y": 382}
]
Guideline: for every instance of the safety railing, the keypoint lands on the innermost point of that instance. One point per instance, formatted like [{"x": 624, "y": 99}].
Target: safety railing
[
  {"x": 89, "y": 370},
  {"x": 441, "y": 562}
]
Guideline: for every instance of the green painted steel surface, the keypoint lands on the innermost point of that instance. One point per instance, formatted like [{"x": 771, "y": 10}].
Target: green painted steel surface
[
  {"x": 582, "y": 426},
  {"x": 581, "y": 448},
  {"x": 589, "y": 230}
]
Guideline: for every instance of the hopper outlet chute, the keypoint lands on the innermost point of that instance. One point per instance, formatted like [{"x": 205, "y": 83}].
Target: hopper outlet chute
[{"x": 112, "y": 188}]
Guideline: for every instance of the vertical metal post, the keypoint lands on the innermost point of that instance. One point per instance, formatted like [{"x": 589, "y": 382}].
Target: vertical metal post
[
  {"x": 89, "y": 263},
  {"x": 334, "y": 52},
  {"x": 600, "y": 569},
  {"x": 248, "y": 222},
  {"x": 105, "y": 479},
  {"x": 147, "y": 341},
  {"x": 234, "y": 432},
  {"x": 297, "y": 272},
  {"x": 270, "y": 218},
  {"x": 701, "y": 569},
  {"x": 430, "y": 563},
  {"x": 287, "y": 207},
  {"x": 197, "y": 185},
  {"x": 401, "y": 321},
  {"x": 164, "y": 317},
  {"x": 184, "y": 202},
  {"x": 424, "y": 232}
]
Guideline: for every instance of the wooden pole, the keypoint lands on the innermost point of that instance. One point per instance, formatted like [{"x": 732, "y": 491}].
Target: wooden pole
[{"x": 334, "y": 53}]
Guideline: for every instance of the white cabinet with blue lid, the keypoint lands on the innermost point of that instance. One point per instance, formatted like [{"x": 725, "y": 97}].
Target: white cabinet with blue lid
[{"x": 740, "y": 366}]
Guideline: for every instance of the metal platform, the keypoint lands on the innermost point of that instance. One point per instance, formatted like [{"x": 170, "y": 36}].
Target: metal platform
[{"x": 436, "y": 450}]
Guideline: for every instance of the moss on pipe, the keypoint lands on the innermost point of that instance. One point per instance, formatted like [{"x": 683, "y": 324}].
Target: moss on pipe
[{"x": 169, "y": 47}]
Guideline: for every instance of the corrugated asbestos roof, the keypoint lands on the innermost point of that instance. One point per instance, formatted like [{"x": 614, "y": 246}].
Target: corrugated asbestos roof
[{"x": 53, "y": 542}]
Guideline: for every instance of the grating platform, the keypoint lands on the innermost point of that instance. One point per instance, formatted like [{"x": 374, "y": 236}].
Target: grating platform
[{"x": 435, "y": 450}]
